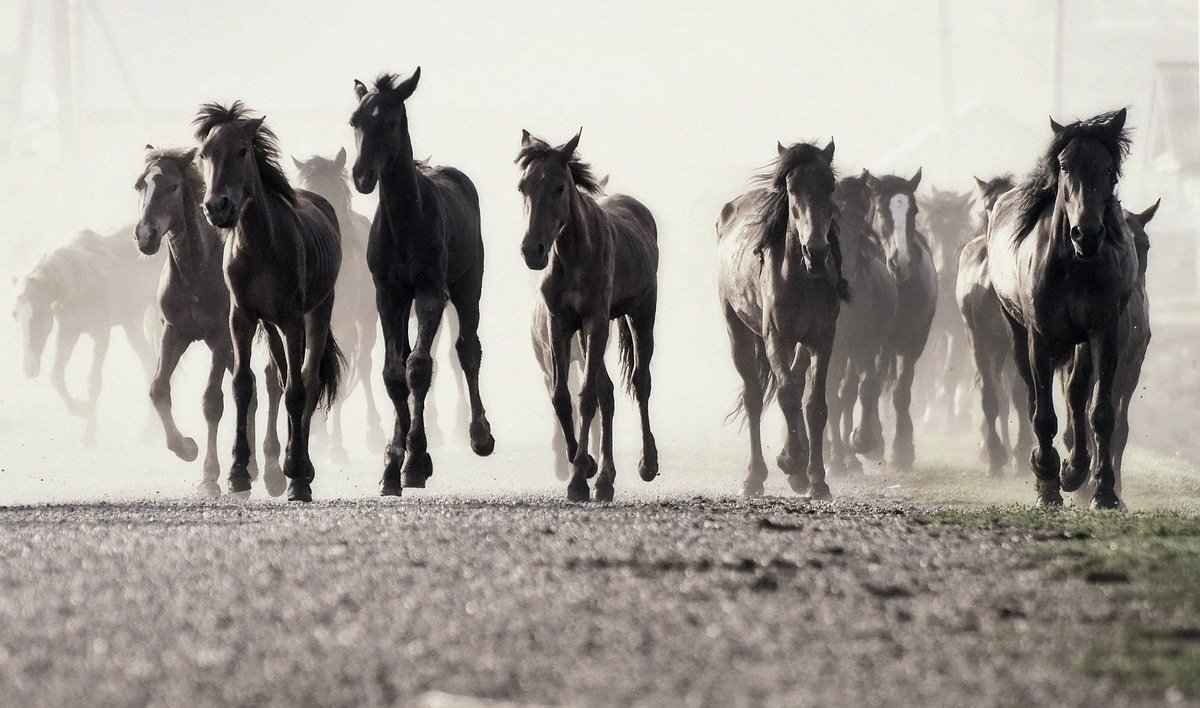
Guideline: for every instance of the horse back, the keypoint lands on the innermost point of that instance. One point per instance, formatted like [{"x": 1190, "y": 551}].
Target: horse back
[
  {"x": 459, "y": 220},
  {"x": 635, "y": 247}
]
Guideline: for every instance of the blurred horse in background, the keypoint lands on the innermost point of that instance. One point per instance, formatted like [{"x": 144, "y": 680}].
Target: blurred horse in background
[
  {"x": 781, "y": 286},
  {"x": 863, "y": 322},
  {"x": 194, "y": 303},
  {"x": 910, "y": 261},
  {"x": 90, "y": 285},
  {"x": 1064, "y": 264},
  {"x": 948, "y": 224}
]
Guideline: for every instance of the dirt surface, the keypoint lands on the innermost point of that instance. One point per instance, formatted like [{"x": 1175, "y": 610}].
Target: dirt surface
[{"x": 523, "y": 598}]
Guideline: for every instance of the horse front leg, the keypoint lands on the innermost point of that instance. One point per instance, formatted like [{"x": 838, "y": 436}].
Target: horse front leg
[
  {"x": 1078, "y": 384},
  {"x": 592, "y": 389},
  {"x": 297, "y": 465},
  {"x": 170, "y": 350},
  {"x": 273, "y": 478},
  {"x": 393, "y": 314},
  {"x": 1103, "y": 414},
  {"x": 816, "y": 412},
  {"x": 241, "y": 331},
  {"x": 95, "y": 382},
  {"x": 64, "y": 344},
  {"x": 745, "y": 346},
  {"x": 418, "y": 465},
  {"x": 470, "y": 357},
  {"x": 214, "y": 408},
  {"x": 560, "y": 398},
  {"x": 642, "y": 329},
  {"x": 1045, "y": 459},
  {"x": 364, "y": 364},
  {"x": 903, "y": 448},
  {"x": 790, "y": 369},
  {"x": 867, "y": 438}
]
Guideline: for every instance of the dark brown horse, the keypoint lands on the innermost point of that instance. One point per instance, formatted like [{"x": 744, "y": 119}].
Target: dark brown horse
[
  {"x": 854, "y": 375},
  {"x": 91, "y": 285},
  {"x": 600, "y": 256},
  {"x": 355, "y": 319},
  {"x": 426, "y": 246},
  {"x": 1133, "y": 341},
  {"x": 948, "y": 224},
  {"x": 281, "y": 262},
  {"x": 781, "y": 286},
  {"x": 990, "y": 343},
  {"x": 1063, "y": 262},
  {"x": 910, "y": 260},
  {"x": 194, "y": 304},
  {"x": 542, "y": 338}
]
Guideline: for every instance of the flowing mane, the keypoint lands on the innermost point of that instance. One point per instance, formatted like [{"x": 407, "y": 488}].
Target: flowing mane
[
  {"x": 266, "y": 145},
  {"x": 186, "y": 164},
  {"x": 1040, "y": 188},
  {"x": 581, "y": 172}
]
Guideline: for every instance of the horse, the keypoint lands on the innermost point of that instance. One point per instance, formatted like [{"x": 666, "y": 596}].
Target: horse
[
  {"x": 194, "y": 305},
  {"x": 91, "y": 285},
  {"x": 862, "y": 323},
  {"x": 600, "y": 258},
  {"x": 781, "y": 287},
  {"x": 988, "y": 339},
  {"x": 1133, "y": 341},
  {"x": 949, "y": 225},
  {"x": 281, "y": 261},
  {"x": 910, "y": 261},
  {"x": 425, "y": 247},
  {"x": 1064, "y": 265},
  {"x": 355, "y": 319}
]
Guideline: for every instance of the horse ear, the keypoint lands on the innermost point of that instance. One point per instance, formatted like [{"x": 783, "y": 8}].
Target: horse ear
[
  {"x": 255, "y": 123},
  {"x": 1055, "y": 126},
  {"x": 915, "y": 181},
  {"x": 603, "y": 181},
  {"x": 1145, "y": 217},
  {"x": 360, "y": 89},
  {"x": 296, "y": 162},
  {"x": 979, "y": 184},
  {"x": 568, "y": 147},
  {"x": 526, "y": 138},
  {"x": 871, "y": 180},
  {"x": 340, "y": 159},
  {"x": 1117, "y": 123},
  {"x": 149, "y": 146},
  {"x": 407, "y": 86},
  {"x": 190, "y": 155},
  {"x": 779, "y": 147},
  {"x": 828, "y": 152}
]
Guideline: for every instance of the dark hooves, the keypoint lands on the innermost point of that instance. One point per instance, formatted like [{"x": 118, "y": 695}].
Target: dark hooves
[
  {"x": 274, "y": 480},
  {"x": 416, "y": 469},
  {"x": 1072, "y": 478},
  {"x": 586, "y": 465},
  {"x": 752, "y": 488},
  {"x": 648, "y": 470},
  {"x": 1048, "y": 493},
  {"x": 605, "y": 492},
  {"x": 798, "y": 482},
  {"x": 391, "y": 488},
  {"x": 819, "y": 492},
  {"x": 482, "y": 442},
  {"x": 869, "y": 446},
  {"x": 187, "y": 450},
  {"x": 577, "y": 491},
  {"x": 299, "y": 490},
  {"x": 1106, "y": 500},
  {"x": 239, "y": 480},
  {"x": 208, "y": 489}
]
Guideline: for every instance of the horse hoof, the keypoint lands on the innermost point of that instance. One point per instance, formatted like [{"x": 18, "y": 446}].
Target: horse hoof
[
  {"x": 1072, "y": 477},
  {"x": 208, "y": 489},
  {"x": 239, "y": 480},
  {"x": 482, "y": 442},
  {"x": 788, "y": 464},
  {"x": 1048, "y": 493},
  {"x": 577, "y": 491},
  {"x": 605, "y": 492},
  {"x": 1106, "y": 500},
  {"x": 416, "y": 469},
  {"x": 585, "y": 465},
  {"x": 819, "y": 492},
  {"x": 648, "y": 470},
  {"x": 869, "y": 446},
  {"x": 391, "y": 488},
  {"x": 561, "y": 472},
  {"x": 274, "y": 480},
  {"x": 299, "y": 490},
  {"x": 239, "y": 496},
  {"x": 799, "y": 483},
  {"x": 187, "y": 450},
  {"x": 752, "y": 489}
]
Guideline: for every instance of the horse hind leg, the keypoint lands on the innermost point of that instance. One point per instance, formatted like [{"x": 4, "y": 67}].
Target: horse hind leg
[
  {"x": 470, "y": 358},
  {"x": 607, "y": 476},
  {"x": 171, "y": 349},
  {"x": 364, "y": 366},
  {"x": 95, "y": 383},
  {"x": 816, "y": 412},
  {"x": 642, "y": 333},
  {"x": 214, "y": 408}
]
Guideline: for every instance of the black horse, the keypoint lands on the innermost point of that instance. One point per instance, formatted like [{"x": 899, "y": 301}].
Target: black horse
[
  {"x": 1064, "y": 265},
  {"x": 425, "y": 246}
]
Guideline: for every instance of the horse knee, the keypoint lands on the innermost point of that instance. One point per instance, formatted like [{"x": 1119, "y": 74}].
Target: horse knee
[
  {"x": 470, "y": 351},
  {"x": 214, "y": 404},
  {"x": 561, "y": 400},
  {"x": 160, "y": 392},
  {"x": 1103, "y": 417},
  {"x": 294, "y": 397},
  {"x": 243, "y": 387}
]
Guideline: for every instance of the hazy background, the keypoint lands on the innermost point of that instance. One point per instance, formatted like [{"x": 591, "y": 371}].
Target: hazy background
[{"x": 680, "y": 103}]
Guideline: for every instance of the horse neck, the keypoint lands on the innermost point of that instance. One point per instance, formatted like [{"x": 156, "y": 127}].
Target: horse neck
[
  {"x": 192, "y": 243},
  {"x": 256, "y": 229},
  {"x": 400, "y": 191},
  {"x": 580, "y": 240}
]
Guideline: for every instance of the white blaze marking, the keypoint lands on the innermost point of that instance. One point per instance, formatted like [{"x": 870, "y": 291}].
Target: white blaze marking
[
  {"x": 899, "y": 207},
  {"x": 151, "y": 183}
]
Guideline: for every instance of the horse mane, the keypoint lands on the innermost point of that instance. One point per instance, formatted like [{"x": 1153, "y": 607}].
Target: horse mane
[
  {"x": 771, "y": 211},
  {"x": 187, "y": 167},
  {"x": 266, "y": 145},
  {"x": 1040, "y": 188},
  {"x": 581, "y": 172}
]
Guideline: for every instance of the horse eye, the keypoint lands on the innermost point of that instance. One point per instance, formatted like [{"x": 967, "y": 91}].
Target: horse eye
[
  {"x": 243, "y": 152},
  {"x": 560, "y": 189},
  {"x": 174, "y": 187}
]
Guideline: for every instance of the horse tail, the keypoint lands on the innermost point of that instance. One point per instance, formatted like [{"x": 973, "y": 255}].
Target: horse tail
[
  {"x": 766, "y": 381},
  {"x": 329, "y": 374},
  {"x": 627, "y": 352}
]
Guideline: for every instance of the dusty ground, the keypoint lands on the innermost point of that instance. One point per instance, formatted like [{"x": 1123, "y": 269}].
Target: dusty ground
[{"x": 524, "y": 598}]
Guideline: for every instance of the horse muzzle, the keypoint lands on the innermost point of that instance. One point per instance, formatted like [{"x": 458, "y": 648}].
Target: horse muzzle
[
  {"x": 221, "y": 212},
  {"x": 149, "y": 239},
  {"x": 1086, "y": 243},
  {"x": 365, "y": 181},
  {"x": 815, "y": 255},
  {"x": 536, "y": 255}
]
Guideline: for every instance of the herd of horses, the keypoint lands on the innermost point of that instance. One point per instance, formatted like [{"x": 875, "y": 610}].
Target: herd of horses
[{"x": 830, "y": 287}]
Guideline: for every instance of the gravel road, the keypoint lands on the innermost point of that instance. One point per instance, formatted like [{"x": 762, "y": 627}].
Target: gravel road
[{"x": 523, "y": 598}]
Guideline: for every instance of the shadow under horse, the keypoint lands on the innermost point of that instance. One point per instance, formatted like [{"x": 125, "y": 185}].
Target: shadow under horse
[
  {"x": 1064, "y": 265},
  {"x": 781, "y": 288},
  {"x": 426, "y": 246}
]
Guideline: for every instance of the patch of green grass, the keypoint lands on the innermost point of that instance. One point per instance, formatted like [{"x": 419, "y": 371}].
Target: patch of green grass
[{"x": 1152, "y": 556}]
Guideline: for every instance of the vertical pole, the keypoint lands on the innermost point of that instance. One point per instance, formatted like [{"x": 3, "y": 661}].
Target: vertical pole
[
  {"x": 64, "y": 74},
  {"x": 946, "y": 47},
  {"x": 1056, "y": 99}
]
